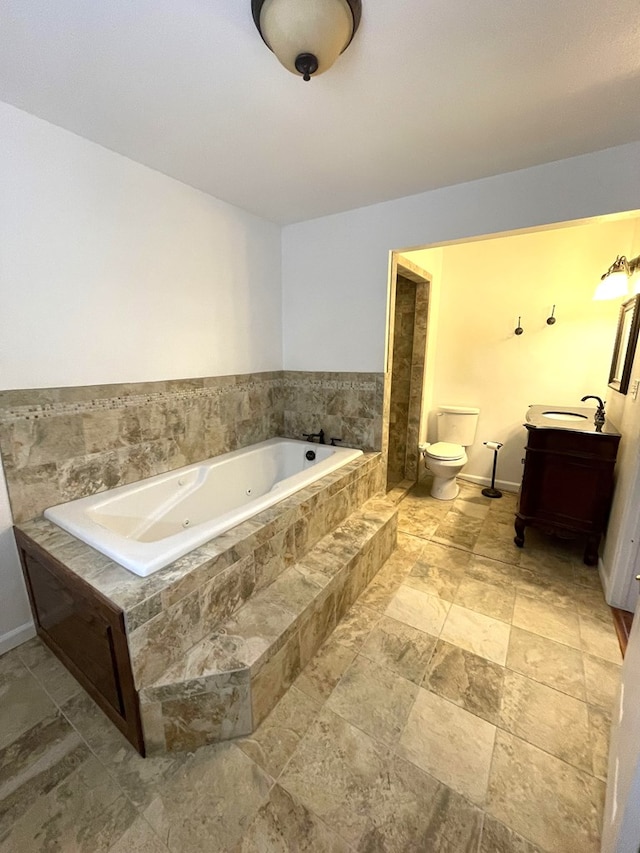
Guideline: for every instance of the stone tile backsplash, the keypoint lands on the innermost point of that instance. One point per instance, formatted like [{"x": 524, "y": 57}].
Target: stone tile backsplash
[
  {"x": 58, "y": 444},
  {"x": 344, "y": 405}
]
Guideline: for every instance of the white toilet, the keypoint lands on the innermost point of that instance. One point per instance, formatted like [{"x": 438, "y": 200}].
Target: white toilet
[{"x": 456, "y": 430}]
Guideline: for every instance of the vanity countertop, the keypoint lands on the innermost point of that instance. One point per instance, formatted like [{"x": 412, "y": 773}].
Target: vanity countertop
[{"x": 537, "y": 417}]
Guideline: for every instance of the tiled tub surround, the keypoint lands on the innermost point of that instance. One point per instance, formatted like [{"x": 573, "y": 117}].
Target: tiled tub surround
[
  {"x": 345, "y": 405},
  {"x": 59, "y": 444},
  {"x": 227, "y": 684},
  {"x": 171, "y": 611}
]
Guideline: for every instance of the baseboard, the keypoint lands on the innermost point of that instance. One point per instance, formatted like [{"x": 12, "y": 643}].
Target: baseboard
[
  {"x": 504, "y": 485},
  {"x": 17, "y": 636}
]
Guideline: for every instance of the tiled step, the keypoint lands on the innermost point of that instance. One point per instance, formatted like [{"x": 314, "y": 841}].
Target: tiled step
[{"x": 227, "y": 683}]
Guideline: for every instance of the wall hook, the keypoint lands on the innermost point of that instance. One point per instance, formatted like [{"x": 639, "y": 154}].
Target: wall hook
[
  {"x": 551, "y": 320},
  {"x": 519, "y": 330}
]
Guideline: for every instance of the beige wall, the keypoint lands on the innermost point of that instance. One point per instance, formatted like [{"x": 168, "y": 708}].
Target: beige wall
[{"x": 483, "y": 286}]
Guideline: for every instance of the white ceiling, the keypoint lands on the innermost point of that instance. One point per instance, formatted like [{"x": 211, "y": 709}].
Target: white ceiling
[{"x": 428, "y": 94}]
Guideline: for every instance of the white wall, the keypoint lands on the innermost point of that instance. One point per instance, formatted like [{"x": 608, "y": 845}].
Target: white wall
[
  {"x": 622, "y": 544},
  {"x": 111, "y": 272},
  {"x": 484, "y": 286},
  {"x": 335, "y": 268}
]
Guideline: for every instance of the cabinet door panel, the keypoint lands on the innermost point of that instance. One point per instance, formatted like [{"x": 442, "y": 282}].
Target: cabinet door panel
[{"x": 75, "y": 627}]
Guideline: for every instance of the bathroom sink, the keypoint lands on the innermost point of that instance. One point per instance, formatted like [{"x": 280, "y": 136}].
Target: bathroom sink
[{"x": 564, "y": 416}]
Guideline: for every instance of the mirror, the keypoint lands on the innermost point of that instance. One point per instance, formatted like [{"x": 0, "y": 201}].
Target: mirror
[{"x": 625, "y": 345}]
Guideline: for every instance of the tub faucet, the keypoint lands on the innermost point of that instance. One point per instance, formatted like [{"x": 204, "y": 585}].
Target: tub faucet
[
  {"x": 311, "y": 435},
  {"x": 598, "y": 418}
]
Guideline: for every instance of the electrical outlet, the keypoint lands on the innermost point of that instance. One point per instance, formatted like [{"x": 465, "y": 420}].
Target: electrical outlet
[{"x": 634, "y": 389}]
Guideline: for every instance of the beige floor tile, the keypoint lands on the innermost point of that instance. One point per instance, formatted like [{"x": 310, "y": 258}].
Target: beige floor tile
[
  {"x": 495, "y": 541},
  {"x": 23, "y": 701},
  {"x": 490, "y": 599},
  {"x": 86, "y": 811},
  {"x": 477, "y": 633},
  {"x": 547, "y": 589},
  {"x": 470, "y": 507},
  {"x": 590, "y": 602},
  {"x": 414, "y": 812},
  {"x": 401, "y": 648},
  {"x": 498, "y": 838},
  {"x": 36, "y": 762},
  {"x": 556, "y": 806},
  {"x": 140, "y": 838},
  {"x": 450, "y": 558},
  {"x": 374, "y": 699},
  {"x": 600, "y": 729},
  {"x": 467, "y": 680},
  {"x": 546, "y": 661},
  {"x": 587, "y": 576},
  {"x": 413, "y": 607},
  {"x": 602, "y": 679},
  {"x": 449, "y": 743},
  {"x": 139, "y": 778},
  {"x": 411, "y": 545},
  {"x": 554, "y": 721},
  {"x": 336, "y": 772},
  {"x": 45, "y": 666},
  {"x": 555, "y": 623},
  {"x": 436, "y": 578},
  {"x": 547, "y": 562},
  {"x": 458, "y": 530},
  {"x": 417, "y": 522},
  {"x": 324, "y": 670},
  {"x": 217, "y": 793},
  {"x": 284, "y": 824},
  {"x": 274, "y": 741},
  {"x": 599, "y": 639},
  {"x": 492, "y": 571}
]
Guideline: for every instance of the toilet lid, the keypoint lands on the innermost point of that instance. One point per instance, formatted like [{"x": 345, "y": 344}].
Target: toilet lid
[{"x": 445, "y": 450}]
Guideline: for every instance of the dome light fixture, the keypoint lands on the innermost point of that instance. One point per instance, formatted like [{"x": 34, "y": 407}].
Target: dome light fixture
[{"x": 307, "y": 36}]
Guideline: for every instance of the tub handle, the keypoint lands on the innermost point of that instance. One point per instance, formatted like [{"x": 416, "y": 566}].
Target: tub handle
[{"x": 333, "y": 441}]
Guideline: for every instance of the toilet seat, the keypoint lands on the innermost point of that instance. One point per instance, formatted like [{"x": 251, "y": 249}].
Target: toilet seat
[{"x": 446, "y": 451}]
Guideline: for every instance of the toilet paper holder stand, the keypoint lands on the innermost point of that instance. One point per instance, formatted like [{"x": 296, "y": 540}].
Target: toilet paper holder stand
[{"x": 491, "y": 491}]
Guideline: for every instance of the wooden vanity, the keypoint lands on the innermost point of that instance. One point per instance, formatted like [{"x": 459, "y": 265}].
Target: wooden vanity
[{"x": 567, "y": 485}]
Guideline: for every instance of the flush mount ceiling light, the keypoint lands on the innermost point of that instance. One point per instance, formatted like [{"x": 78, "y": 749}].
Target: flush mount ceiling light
[
  {"x": 307, "y": 36},
  {"x": 615, "y": 282}
]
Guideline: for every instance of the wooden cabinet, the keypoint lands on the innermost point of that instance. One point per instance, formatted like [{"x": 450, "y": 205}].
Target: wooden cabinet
[
  {"x": 87, "y": 633},
  {"x": 567, "y": 485}
]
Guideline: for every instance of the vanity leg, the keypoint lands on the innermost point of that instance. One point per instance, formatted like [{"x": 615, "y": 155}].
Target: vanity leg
[
  {"x": 591, "y": 551},
  {"x": 519, "y": 537}
]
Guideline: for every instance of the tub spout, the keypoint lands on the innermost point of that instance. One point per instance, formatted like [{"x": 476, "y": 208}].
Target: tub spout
[{"x": 310, "y": 436}]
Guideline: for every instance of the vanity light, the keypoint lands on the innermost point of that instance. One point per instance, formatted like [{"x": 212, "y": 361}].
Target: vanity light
[
  {"x": 615, "y": 282},
  {"x": 307, "y": 36}
]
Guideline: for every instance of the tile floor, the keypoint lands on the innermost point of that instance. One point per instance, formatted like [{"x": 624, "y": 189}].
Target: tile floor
[{"x": 462, "y": 705}]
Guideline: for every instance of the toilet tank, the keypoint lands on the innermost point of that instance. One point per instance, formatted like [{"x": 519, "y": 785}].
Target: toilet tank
[{"x": 457, "y": 424}]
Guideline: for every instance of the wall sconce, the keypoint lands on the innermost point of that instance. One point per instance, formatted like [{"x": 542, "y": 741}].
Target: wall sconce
[
  {"x": 615, "y": 282},
  {"x": 307, "y": 38}
]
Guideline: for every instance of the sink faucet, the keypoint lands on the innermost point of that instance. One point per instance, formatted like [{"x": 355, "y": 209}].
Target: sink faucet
[
  {"x": 311, "y": 435},
  {"x": 598, "y": 418}
]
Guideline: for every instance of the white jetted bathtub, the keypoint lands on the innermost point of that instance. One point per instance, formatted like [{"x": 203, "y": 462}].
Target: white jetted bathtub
[{"x": 147, "y": 525}]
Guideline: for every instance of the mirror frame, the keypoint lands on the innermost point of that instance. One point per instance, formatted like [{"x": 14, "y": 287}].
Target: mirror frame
[{"x": 622, "y": 362}]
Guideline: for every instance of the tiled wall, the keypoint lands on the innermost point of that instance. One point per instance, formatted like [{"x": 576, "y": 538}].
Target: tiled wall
[
  {"x": 344, "y": 405},
  {"x": 401, "y": 378},
  {"x": 64, "y": 443}
]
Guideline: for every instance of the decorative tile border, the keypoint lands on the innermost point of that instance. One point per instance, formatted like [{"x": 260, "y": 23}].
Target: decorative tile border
[{"x": 59, "y": 444}]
